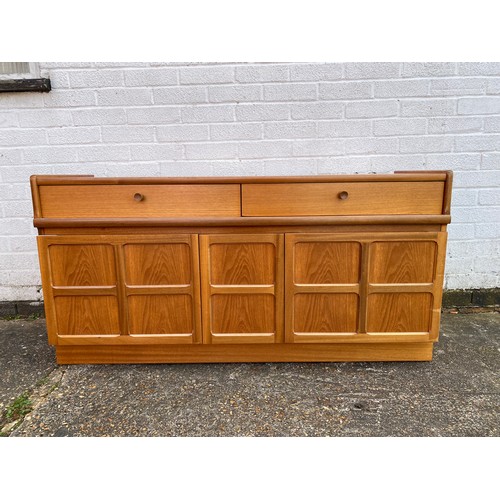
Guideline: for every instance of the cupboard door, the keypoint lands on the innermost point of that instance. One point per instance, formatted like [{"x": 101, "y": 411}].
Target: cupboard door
[
  {"x": 121, "y": 289},
  {"x": 242, "y": 285},
  {"x": 363, "y": 287}
]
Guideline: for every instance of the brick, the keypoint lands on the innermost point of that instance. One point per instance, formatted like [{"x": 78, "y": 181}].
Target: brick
[
  {"x": 319, "y": 147},
  {"x": 428, "y": 144},
  {"x": 289, "y": 130},
  {"x": 69, "y": 98},
  {"x": 455, "y": 124},
  {"x": 400, "y": 162},
  {"x": 456, "y": 249},
  {"x": 143, "y": 169},
  {"x": 207, "y": 74},
  {"x": 99, "y": 116},
  {"x": 123, "y": 97},
  {"x": 487, "y": 231},
  {"x": 493, "y": 86},
  {"x": 18, "y": 208},
  {"x": 115, "y": 64},
  {"x": 171, "y": 133},
  {"x": 20, "y": 137},
  {"x": 187, "y": 168},
  {"x": 490, "y": 161},
  {"x": 401, "y": 88},
  {"x": 153, "y": 115},
  {"x": 16, "y": 192},
  {"x": 479, "y": 106},
  {"x": 290, "y": 166},
  {"x": 58, "y": 79},
  {"x": 9, "y": 119},
  {"x": 104, "y": 152},
  {"x": 179, "y": 95},
  {"x": 49, "y": 155},
  {"x": 235, "y": 131},
  {"x": 235, "y": 93},
  {"x": 315, "y": 72},
  {"x": 464, "y": 197},
  {"x": 262, "y": 112},
  {"x": 156, "y": 77},
  {"x": 371, "y": 145},
  {"x": 317, "y": 110},
  {"x": 96, "y": 78},
  {"x": 477, "y": 178},
  {"x": 10, "y": 157},
  {"x": 290, "y": 92},
  {"x": 74, "y": 135},
  {"x": 15, "y": 226},
  {"x": 456, "y": 266},
  {"x": 152, "y": 152},
  {"x": 413, "y": 69},
  {"x": 344, "y": 164},
  {"x": 368, "y": 70},
  {"x": 458, "y": 231},
  {"x": 262, "y": 73},
  {"x": 399, "y": 126},
  {"x": 428, "y": 107},
  {"x": 240, "y": 168},
  {"x": 265, "y": 149},
  {"x": 476, "y": 214},
  {"x": 211, "y": 151},
  {"x": 458, "y": 86},
  {"x": 479, "y": 68},
  {"x": 454, "y": 161},
  {"x": 489, "y": 197},
  {"x": 345, "y": 90},
  {"x": 477, "y": 143},
  {"x": 128, "y": 133},
  {"x": 344, "y": 128},
  {"x": 201, "y": 114},
  {"x": 65, "y": 65},
  {"x": 22, "y": 100},
  {"x": 371, "y": 109},
  {"x": 22, "y": 174},
  {"x": 492, "y": 124},
  {"x": 45, "y": 118}
]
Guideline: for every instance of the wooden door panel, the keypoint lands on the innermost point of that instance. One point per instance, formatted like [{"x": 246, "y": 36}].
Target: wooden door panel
[
  {"x": 402, "y": 261},
  {"x": 158, "y": 264},
  {"x": 160, "y": 314},
  {"x": 325, "y": 312},
  {"x": 399, "y": 312},
  {"x": 327, "y": 262},
  {"x": 87, "y": 315},
  {"x": 82, "y": 265},
  {"x": 242, "y": 283}
]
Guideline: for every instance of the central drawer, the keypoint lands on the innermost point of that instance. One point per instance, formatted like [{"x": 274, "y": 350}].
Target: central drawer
[
  {"x": 342, "y": 198},
  {"x": 142, "y": 200}
]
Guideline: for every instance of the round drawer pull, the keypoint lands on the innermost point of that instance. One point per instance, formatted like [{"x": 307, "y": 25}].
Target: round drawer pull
[
  {"x": 138, "y": 197},
  {"x": 343, "y": 195}
]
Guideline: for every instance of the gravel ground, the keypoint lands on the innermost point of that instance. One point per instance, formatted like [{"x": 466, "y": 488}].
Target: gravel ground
[{"x": 457, "y": 394}]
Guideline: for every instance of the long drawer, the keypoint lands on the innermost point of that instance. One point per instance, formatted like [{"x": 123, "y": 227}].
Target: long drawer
[
  {"x": 137, "y": 201},
  {"x": 348, "y": 198}
]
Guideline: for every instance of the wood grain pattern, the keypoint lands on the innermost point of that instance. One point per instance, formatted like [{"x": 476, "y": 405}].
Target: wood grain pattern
[
  {"x": 87, "y": 315},
  {"x": 326, "y": 312},
  {"x": 322, "y": 199},
  {"x": 402, "y": 261},
  {"x": 265, "y": 353},
  {"x": 160, "y": 314},
  {"x": 327, "y": 262},
  {"x": 190, "y": 200},
  {"x": 399, "y": 312},
  {"x": 82, "y": 265},
  {"x": 158, "y": 264}
]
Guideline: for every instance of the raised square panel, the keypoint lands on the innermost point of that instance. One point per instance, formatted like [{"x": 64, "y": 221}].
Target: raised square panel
[
  {"x": 158, "y": 264},
  {"x": 402, "y": 261},
  {"x": 327, "y": 262},
  {"x": 160, "y": 314},
  {"x": 399, "y": 312},
  {"x": 242, "y": 263},
  {"x": 82, "y": 265},
  {"x": 243, "y": 313},
  {"x": 87, "y": 315},
  {"x": 325, "y": 312}
]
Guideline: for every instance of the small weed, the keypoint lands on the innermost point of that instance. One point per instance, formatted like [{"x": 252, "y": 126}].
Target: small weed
[{"x": 21, "y": 406}]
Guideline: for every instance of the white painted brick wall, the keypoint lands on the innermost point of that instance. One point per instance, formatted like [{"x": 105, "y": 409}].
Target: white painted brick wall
[{"x": 151, "y": 119}]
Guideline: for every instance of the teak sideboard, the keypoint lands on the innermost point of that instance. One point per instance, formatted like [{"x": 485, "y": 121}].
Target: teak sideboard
[{"x": 253, "y": 269}]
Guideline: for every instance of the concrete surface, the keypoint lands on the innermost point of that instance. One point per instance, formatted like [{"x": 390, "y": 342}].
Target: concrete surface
[{"x": 457, "y": 394}]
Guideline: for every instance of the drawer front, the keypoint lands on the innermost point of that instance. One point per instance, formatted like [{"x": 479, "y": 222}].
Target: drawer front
[
  {"x": 349, "y": 198},
  {"x": 137, "y": 201}
]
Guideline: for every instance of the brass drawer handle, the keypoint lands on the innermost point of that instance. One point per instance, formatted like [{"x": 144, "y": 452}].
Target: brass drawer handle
[
  {"x": 343, "y": 195},
  {"x": 138, "y": 197}
]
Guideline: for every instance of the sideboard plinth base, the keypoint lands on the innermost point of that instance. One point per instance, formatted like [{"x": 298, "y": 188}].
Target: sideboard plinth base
[{"x": 107, "y": 354}]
